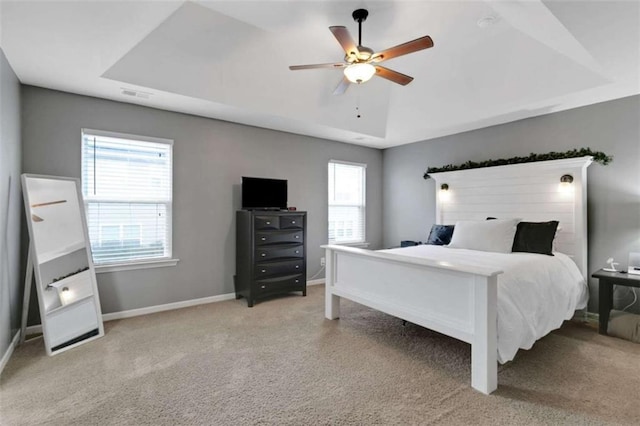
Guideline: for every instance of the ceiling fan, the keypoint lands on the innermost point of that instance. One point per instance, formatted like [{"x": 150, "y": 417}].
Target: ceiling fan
[{"x": 360, "y": 62}]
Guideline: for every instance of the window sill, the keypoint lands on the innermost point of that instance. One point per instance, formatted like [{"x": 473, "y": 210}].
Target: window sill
[
  {"x": 100, "y": 269},
  {"x": 356, "y": 245}
]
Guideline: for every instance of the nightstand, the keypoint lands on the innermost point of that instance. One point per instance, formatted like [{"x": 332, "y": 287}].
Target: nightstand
[{"x": 606, "y": 281}]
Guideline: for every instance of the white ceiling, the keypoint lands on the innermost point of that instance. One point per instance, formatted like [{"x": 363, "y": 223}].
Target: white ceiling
[{"x": 229, "y": 60}]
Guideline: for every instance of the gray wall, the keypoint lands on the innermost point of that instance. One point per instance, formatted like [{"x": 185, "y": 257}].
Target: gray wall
[
  {"x": 613, "y": 190},
  {"x": 210, "y": 157},
  {"x": 10, "y": 204}
]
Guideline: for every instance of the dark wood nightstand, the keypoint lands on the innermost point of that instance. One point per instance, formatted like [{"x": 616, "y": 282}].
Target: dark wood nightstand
[{"x": 606, "y": 281}]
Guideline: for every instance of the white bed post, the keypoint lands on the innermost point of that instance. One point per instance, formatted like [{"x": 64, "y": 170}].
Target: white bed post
[
  {"x": 331, "y": 301},
  {"x": 581, "y": 256},
  {"x": 484, "y": 349}
]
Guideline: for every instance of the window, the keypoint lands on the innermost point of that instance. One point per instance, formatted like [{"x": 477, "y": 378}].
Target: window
[
  {"x": 346, "y": 202},
  {"x": 126, "y": 184}
]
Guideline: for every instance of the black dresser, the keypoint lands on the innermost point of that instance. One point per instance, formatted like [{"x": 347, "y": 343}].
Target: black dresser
[{"x": 270, "y": 253}]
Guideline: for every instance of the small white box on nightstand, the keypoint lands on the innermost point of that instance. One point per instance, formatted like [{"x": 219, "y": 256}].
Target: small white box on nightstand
[{"x": 634, "y": 263}]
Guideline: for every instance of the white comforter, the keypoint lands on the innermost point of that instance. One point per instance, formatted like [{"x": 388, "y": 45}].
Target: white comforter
[{"x": 536, "y": 293}]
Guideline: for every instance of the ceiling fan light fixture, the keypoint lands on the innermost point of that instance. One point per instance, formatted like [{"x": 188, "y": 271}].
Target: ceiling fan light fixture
[
  {"x": 357, "y": 65},
  {"x": 359, "y": 73}
]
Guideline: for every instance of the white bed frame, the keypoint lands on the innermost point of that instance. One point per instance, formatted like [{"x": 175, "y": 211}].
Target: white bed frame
[{"x": 461, "y": 300}]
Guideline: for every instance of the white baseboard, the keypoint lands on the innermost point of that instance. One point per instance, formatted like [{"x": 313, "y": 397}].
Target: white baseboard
[
  {"x": 167, "y": 307},
  {"x": 588, "y": 317},
  {"x": 9, "y": 351},
  {"x": 592, "y": 317},
  {"x": 34, "y": 329}
]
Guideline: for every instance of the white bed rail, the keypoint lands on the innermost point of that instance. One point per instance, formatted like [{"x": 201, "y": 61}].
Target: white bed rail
[{"x": 457, "y": 300}]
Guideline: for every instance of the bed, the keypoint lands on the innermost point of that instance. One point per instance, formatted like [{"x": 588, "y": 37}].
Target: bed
[{"x": 497, "y": 302}]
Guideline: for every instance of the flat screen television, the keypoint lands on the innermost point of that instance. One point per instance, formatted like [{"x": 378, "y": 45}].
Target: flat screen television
[{"x": 261, "y": 193}]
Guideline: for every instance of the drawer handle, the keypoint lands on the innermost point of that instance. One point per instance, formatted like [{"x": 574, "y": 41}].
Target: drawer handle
[
  {"x": 262, "y": 254},
  {"x": 263, "y": 286},
  {"x": 263, "y": 239},
  {"x": 297, "y": 236},
  {"x": 297, "y": 251},
  {"x": 263, "y": 270},
  {"x": 293, "y": 221},
  {"x": 297, "y": 281},
  {"x": 268, "y": 223},
  {"x": 297, "y": 266}
]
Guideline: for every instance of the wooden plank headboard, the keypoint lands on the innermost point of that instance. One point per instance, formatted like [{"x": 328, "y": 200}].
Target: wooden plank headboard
[{"x": 529, "y": 191}]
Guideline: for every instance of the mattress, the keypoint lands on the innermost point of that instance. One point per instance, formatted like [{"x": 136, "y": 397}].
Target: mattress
[{"x": 536, "y": 292}]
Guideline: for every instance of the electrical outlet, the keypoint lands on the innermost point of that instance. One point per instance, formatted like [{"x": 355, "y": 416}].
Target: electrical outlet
[{"x": 322, "y": 261}]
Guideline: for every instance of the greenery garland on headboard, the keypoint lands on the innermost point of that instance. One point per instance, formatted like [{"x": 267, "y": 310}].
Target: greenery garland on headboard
[{"x": 598, "y": 157}]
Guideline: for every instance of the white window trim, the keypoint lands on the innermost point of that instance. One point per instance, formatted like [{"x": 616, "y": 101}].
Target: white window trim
[
  {"x": 136, "y": 264},
  {"x": 128, "y": 266},
  {"x": 128, "y": 136},
  {"x": 364, "y": 243}
]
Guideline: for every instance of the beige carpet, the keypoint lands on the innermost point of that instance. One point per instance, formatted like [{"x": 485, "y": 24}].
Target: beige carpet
[{"x": 282, "y": 363}]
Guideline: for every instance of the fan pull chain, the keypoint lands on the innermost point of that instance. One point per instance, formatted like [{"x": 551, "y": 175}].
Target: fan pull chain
[{"x": 358, "y": 101}]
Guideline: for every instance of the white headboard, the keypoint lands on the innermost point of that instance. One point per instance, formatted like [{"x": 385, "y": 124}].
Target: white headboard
[{"x": 529, "y": 191}]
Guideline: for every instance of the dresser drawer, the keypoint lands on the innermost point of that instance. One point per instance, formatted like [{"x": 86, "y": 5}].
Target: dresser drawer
[
  {"x": 277, "y": 252},
  {"x": 291, "y": 282},
  {"x": 267, "y": 222},
  {"x": 265, "y": 238},
  {"x": 291, "y": 222},
  {"x": 289, "y": 267}
]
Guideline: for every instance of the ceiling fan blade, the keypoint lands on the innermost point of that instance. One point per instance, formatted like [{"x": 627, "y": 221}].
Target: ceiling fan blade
[
  {"x": 403, "y": 49},
  {"x": 342, "y": 86},
  {"x": 346, "y": 41},
  {"x": 313, "y": 66},
  {"x": 392, "y": 75}
]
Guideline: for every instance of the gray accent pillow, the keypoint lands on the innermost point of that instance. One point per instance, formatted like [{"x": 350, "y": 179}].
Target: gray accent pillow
[{"x": 624, "y": 325}]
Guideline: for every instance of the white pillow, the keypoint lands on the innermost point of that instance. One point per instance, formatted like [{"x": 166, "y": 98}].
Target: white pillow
[
  {"x": 485, "y": 235},
  {"x": 554, "y": 244}
]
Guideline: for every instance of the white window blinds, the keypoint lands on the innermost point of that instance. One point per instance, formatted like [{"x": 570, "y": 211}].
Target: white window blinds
[
  {"x": 346, "y": 202},
  {"x": 126, "y": 184}
]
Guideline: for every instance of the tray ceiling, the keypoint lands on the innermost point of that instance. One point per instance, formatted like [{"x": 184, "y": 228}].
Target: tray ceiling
[{"x": 229, "y": 60}]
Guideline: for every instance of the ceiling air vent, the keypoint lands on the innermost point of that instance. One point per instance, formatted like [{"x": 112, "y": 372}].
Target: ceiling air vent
[{"x": 135, "y": 93}]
